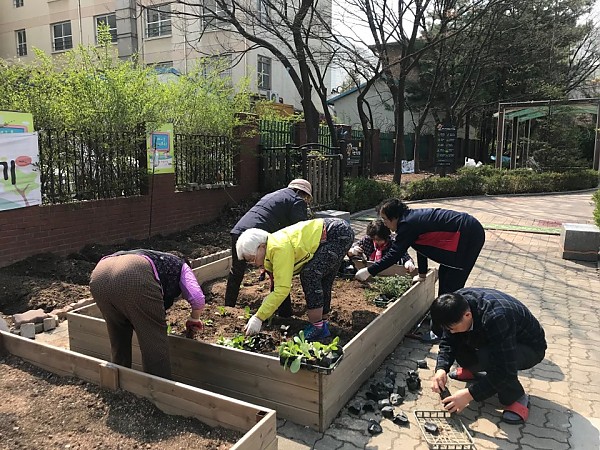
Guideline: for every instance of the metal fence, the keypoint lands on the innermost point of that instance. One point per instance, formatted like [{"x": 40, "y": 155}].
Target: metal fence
[
  {"x": 91, "y": 165},
  {"x": 203, "y": 160},
  {"x": 276, "y": 133}
]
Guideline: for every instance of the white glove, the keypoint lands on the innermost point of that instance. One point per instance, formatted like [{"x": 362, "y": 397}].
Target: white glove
[
  {"x": 418, "y": 278},
  {"x": 355, "y": 251},
  {"x": 363, "y": 274},
  {"x": 409, "y": 265},
  {"x": 253, "y": 326}
]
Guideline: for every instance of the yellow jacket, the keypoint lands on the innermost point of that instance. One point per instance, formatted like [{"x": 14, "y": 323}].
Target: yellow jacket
[{"x": 288, "y": 250}]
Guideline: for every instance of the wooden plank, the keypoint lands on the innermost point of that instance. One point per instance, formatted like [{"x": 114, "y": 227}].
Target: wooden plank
[
  {"x": 213, "y": 270},
  {"x": 260, "y": 436},
  {"x": 109, "y": 376},
  {"x": 396, "y": 269},
  {"x": 53, "y": 359}
]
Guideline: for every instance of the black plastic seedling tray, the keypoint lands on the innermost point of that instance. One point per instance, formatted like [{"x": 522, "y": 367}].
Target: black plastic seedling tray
[{"x": 452, "y": 433}]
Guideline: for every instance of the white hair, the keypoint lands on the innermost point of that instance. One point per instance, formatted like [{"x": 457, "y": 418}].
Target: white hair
[{"x": 249, "y": 241}]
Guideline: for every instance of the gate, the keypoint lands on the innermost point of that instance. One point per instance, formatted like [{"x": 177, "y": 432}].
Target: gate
[{"x": 321, "y": 165}]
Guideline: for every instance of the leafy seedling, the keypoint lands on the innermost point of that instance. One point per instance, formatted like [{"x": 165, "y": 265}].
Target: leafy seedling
[
  {"x": 209, "y": 323},
  {"x": 222, "y": 311},
  {"x": 247, "y": 313},
  {"x": 294, "y": 351}
]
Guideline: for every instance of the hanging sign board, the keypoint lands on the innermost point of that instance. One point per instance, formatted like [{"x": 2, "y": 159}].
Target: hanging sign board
[
  {"x": 160, "y": 150},
  {"x": 19, "y": 175}
]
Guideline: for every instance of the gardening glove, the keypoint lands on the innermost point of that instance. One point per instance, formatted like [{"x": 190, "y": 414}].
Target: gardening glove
[
  {"x": 192, "y": 326},
  {"x": 417, "y": 278},
  {"x": 409, "y": 265},
  {"x": 253, "y": 326},
  {"x": 363, "y": 274},
  {"x": 355, "y": 251}
]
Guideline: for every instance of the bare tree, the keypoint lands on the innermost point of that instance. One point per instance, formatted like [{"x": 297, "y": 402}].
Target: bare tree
[{"x": 295, "y": 32}]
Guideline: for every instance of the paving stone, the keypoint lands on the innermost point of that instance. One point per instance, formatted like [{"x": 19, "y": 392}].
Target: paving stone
[
  {"x": 547, "y": 433},
  {"x": 540, "y": 443},
  {"x": 327, "y": 443}
]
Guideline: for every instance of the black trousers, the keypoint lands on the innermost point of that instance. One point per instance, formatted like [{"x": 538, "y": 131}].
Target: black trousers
[
  {"x": 235, "y": 277},
  {"x": 480, "y": 361}
]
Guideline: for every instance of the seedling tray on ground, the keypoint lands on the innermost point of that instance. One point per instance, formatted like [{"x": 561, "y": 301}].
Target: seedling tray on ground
[{"x": 452, "y": 433}]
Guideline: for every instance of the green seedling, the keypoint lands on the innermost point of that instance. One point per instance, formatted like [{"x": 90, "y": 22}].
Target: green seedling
[
  {"x": 209, "y": 323},
  {"x": 222, "y": 311},
  {"x": 295, "y": 350},
  {"x": 247, "y": 313},
  {"x": 392, "y": 287}
]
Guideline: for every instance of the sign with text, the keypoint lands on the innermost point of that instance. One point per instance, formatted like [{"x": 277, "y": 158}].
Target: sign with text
[
  {"x": 15, "y": 122},
  {"x": 19, "y": 175},
  {"x": 160, "y": 150},
  {"x": 446, "y": 141}
]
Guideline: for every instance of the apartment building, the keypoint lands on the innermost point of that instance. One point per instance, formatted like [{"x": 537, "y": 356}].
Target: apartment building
[{"x": 154, "y": 34}]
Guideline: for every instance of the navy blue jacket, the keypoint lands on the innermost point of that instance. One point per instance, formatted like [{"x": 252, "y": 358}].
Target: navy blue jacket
[
  {"x": 273, "y": 212},
  {"x": 500, "y": 322},
  {"x": 434, "y": 233}
]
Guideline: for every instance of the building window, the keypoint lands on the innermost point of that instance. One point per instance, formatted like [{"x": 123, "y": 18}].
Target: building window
[
  {"x": 18, "y": 3},
  {"x": 111, "y": 21},
  {"x": 158, "y": 21},
  {"x": 62, "y": 38},
  {"x": 264, "y": 72},
  {"x": 263, "y": 12},
  {"x": 212, "y": 12},
  {"x": 21, "y": 38}
]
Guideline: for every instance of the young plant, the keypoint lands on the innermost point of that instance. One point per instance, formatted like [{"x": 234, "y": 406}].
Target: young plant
[
  {"x": 247, "y": 313},
  {"x": 392, "y": 287},
  {"x": 222, "y": 311},
  {"x": 298, "y": 349}
]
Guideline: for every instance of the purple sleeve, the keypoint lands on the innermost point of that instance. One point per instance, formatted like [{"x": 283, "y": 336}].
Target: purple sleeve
[{"x": 190, "y": 289}]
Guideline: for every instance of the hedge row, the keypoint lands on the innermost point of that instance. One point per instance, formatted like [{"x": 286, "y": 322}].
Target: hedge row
[
  {"x": 596, "y": 198},
  {"x": 361, "y": 193}
]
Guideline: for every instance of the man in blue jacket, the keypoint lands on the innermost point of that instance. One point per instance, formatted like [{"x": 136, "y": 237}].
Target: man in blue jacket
[
  {"x": 273, "y": 212},
  {"x": 486, "y": 330}
]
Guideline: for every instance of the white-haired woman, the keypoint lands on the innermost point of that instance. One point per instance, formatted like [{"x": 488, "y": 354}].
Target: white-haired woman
[{"x": 312, "y": 248}]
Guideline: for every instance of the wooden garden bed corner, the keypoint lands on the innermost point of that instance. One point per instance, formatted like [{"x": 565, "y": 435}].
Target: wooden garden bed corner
[
  {"x": 306, "y": 398},
  {"x": 258, "y": 423}
]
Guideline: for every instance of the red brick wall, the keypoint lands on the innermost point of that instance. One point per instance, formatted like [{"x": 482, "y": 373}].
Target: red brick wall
[{"x": 64, "y": 229}]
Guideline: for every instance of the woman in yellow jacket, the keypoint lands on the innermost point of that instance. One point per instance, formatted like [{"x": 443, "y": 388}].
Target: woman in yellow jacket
[{"x": 312, "y": 248}]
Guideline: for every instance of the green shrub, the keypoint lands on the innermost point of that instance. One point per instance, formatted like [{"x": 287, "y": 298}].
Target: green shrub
[
  {"x": 596, "y": 198},
  {"x": 364, "y": 193},
  {"x": 499, "y": 181}
]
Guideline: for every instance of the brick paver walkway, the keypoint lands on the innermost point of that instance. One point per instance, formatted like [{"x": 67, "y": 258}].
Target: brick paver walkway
[{"x": 564, "y": 295}]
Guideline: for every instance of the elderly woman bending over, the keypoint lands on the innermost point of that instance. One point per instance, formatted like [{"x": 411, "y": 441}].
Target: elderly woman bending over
[{"x": 312, "y": 248}]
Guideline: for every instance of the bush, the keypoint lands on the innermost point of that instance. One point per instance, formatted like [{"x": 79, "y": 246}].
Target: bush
[
  {"x": 596, "y": 198},
  {"x": 364, "y": 193},
  {"x": 499, "y": 181}
]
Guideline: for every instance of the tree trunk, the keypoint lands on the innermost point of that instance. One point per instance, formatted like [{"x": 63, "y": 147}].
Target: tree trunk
[{"x": 399, "y": 149}]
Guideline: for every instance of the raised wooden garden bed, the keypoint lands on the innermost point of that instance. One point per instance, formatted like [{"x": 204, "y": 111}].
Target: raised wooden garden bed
[
  {"x": 258, "y": 424},
  {"x": 307, "y": 398}
]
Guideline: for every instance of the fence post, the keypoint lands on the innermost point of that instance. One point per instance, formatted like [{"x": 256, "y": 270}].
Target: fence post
[
  {"x": 342, "y": 166},
  {"x": 304, "y": 163},
  {"x": 288, "y": 162}
]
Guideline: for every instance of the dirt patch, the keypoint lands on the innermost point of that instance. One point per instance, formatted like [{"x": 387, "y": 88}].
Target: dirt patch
[
  {"x": 405, "y": 178},
  {"x": 43, "y": 410},
  {"x": 351, "y": 311}
]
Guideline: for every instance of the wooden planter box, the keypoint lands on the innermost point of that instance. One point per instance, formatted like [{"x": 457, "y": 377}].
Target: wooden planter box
[
  {"x": 258, "y": 423},
  {"x": 306, "y": 398}
]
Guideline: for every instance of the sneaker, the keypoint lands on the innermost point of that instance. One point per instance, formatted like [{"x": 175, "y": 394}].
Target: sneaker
[{"x": 312, "y": 333}]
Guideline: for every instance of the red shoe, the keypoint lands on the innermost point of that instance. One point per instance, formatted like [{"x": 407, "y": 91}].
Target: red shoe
[
  {"x": 516, "y": 413},
  {"x": 461, "y": 374}
]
